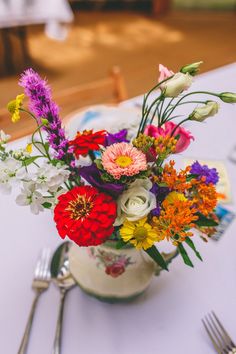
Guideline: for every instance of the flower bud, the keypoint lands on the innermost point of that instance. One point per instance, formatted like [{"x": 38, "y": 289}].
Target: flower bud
[
  {"x": 192, "y": 69},
  {"x": 177, "y": 84},
  {"x": 44, "y": 121},
  {"x": 228, "y": 97},
  {"x": 208, "y": 110}
]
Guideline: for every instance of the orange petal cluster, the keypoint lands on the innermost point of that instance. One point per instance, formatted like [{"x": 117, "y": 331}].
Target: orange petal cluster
[{"x": 175, "y": 220}]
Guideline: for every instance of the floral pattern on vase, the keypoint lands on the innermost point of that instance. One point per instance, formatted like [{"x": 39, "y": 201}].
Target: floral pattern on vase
[{"x": 114, "y": 264}]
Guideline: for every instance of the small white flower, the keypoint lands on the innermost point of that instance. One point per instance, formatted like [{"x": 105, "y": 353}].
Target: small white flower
[
  {"x": 136, "y": 202},
  {"x": 29, "y": 196},
  {"x": 11, "y": 171},
  {"x": 4, "y": 137},
  {"x": 50, "y": 178}
]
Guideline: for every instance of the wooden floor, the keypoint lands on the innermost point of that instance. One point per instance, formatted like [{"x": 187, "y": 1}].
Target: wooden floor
[{"x": 134, "y": 41}]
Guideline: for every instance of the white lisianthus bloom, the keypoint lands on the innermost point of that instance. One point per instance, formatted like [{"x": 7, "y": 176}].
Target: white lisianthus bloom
[
  {"x": 177, "y": 84},
  {"x": 50, "y": 178},
  {"x": 136, "y": 202},
  {"x": 4, "y": 137},
  {"x": 29, "y": 196},
  {"x": 11, "y": 171},
  {"x": 208, "y": 110}
]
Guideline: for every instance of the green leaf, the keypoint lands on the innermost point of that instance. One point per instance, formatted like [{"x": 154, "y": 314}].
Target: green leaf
[
  {"x": 192, "y": 245},
  {"x": 204, "y": 221},
  {"x": 184, "y": 255},
  {"x": 157, "y": 257},
  {"x": 120, "y": 244},
  {"x": 47, "y": 205},
  {"x": 190, "y": 177},
  {"x": 30, "y": 160}
]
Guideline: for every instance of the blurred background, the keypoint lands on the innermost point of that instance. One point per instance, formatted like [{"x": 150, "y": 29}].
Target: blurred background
[{"x": 77, "y": 42}]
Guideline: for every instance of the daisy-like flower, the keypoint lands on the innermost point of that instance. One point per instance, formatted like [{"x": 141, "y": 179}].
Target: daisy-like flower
[
  {"x": 123, "y": 159},
  {"x": 85, "y": 215},
  {"x": 139, "y": 233},
  {"x": 14, "y": 107}
]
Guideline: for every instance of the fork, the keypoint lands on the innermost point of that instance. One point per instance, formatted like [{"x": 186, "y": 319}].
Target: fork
[
  {"x": 40, "y": 284},
  {"x": 220, "y": 338}
]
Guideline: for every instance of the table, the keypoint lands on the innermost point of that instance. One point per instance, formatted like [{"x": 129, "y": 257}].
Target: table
[
  {"x": 16, "y": 15},
  {"x": 167, "y": 318}
]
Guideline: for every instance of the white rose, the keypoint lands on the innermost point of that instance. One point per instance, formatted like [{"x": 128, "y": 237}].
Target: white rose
[
  {"x": 178, "y": 83},
  {"x": 136, "y": 202},
  {"x": 208, "y": 110}
]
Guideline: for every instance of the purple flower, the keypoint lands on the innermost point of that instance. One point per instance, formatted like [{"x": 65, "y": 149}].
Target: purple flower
[
  {"x": 42, "y": 105},
  {"x": 210, "y": 174},
  {"x": 93, "y": 176},
  {"x": 156, "y": 211},
  {"x": 160, "y": 192},
  {"x": 116, "y": 138}
]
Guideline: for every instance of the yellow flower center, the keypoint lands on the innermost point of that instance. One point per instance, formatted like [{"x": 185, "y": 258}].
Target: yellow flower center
[
  {"x": 79, "y": 208},
  {"x": 123, "y": 161},
  {"x": 11, "y": 106},
  {"x": 140, "y": 233}
]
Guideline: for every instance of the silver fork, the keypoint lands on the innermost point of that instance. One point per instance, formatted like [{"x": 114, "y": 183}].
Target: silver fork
[
  {"x": 220, "y": 338},
  {"x": 40, "y": 284}
]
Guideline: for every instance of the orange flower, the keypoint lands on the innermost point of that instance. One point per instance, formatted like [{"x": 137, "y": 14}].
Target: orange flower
[
  {"x": 205, "y": 197},
  {"x": 175, "y": 221},
  {"x": 173, "y": 180},
  {"x": 165, "y": 146}
]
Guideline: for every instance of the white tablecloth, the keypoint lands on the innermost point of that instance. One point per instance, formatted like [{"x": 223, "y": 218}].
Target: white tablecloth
[
  {"x": 167, "y": 319},
  {"x": 54, "y": 13}
]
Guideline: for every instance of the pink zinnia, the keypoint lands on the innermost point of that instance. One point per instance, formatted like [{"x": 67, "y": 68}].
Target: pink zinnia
[{"x": 123, "y": 159}]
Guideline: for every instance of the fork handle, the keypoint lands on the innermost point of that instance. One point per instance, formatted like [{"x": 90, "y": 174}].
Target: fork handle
[
  {"x": 25, "y": 339},
  {"x": 57, "y": 339}
]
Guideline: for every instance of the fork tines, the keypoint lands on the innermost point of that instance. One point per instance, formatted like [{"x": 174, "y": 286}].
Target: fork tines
[
  {"x": 42, "y": 267},
  {"x": 220, "y": 338}
]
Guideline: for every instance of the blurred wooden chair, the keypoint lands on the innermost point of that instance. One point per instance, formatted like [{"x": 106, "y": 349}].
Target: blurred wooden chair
[
  {"x": 109, "y": 90},
  {"x": 161, "y": 7}
]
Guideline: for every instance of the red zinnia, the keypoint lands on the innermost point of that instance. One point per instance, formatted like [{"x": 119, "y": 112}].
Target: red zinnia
[
  {"x": 86, "y": 141},
  {"x": 85, "y": 215}
]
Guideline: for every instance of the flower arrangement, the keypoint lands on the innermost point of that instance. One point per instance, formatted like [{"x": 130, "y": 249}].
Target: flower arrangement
[{"x": 130, "y": 190}]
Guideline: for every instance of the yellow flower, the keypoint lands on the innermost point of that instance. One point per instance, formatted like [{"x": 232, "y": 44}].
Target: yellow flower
[
  {"x": 139, "y": 233},
  {"x": 173, "y": 196},
  {"x": 14, "y": 107},
  {"x": 29, "y": 148}
]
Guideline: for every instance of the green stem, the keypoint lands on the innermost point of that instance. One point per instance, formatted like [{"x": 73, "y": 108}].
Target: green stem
[
  {"x": 178, "y": 125},
  {"x": 40, "y": 133},
  {"x": 157, "y": 102},
  {"x": 146, "y": 98},
  {"x": 189, "y": 94}
]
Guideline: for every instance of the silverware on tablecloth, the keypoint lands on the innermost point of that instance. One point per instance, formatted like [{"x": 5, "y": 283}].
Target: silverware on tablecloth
[
  {"x": 62, "y": 277},
  {"x": 40, "y": 284},
  {"x": 220, "y": 338}
]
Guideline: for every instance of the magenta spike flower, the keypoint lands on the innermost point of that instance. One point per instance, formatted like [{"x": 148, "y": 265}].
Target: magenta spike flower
[{"x": 42, "y": 105}]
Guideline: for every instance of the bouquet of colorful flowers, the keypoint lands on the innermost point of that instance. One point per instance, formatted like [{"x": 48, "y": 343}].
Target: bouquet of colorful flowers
[{"x": 129, "y": 190}]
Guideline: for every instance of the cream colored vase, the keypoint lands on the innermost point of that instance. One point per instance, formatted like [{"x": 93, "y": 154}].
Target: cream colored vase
[{"x": 113, "y": 275}]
